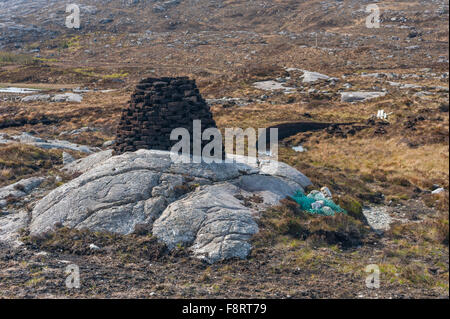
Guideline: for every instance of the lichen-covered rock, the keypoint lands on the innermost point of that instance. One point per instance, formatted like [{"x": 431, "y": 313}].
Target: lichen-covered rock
[
  {"x": 10, "y": 226},
  {"x": 311, "y": 77},
  {"x": 67, "y": 97},
  {"x": 206, "y": 207},
  {"x": 360, "y": 96},
  {"x": 67, "y": 158},
  {"x": 82, "y": 165},
  {"x": 19, "y": 189},
  {"x": 211, "y": 220}
]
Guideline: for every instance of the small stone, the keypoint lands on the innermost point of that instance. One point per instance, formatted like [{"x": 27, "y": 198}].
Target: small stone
[
  {"x": 299, "y": 149},
  {"x": 42, "y": 253},
  {"x": 109, "y": 143},
  {"x": 67, "y": 97},
  {"x": 327, "y": 211},
  {"x": 438, "y": 190},
  {"x": 317, "y": 205},
  {"x": 38, "y": 97},
  {"x": 351, "y": 97},
  {"x": 326, "y": 192},
  {"x": 94, "y": 247},
  {"x": 67, "y": 158},
  {"x": 310, "y": 77},
  {"x": 315, "y": 194}
]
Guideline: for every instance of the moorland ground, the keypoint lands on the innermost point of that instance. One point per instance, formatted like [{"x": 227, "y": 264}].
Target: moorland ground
[{"x": 393, "y": 164}]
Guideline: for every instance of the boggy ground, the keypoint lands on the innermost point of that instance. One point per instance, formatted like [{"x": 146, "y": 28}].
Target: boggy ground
[{"x": 393, "y": 164}]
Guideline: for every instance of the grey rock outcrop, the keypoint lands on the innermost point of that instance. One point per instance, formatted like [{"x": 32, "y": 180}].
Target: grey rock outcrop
[
  {"x": 10, "y": 226},
  {"x": 360, "y": 96},
  {"x": 36, "y": 98},
  {"x": 82, "y": 165},
  {"x": 212, "y": 220},
  {"x": 67, "y": 158},
  {"x": 30, "y": 139},
  {"x": 19, "y": 189},
  {"x": 197, "y": 205},
  {"x": 67, "y": 97},
  {"x": 311, "y": 77},
  {"x": 378, "y": 218}
]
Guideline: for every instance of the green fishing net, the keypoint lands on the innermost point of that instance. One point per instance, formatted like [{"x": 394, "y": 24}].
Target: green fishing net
[{"x": 306, "y": 202}]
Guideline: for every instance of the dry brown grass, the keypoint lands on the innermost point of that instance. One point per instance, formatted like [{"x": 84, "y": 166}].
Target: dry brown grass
[
  {"x": 421, "y": 166},
  {"x": 19, "y": 160}
]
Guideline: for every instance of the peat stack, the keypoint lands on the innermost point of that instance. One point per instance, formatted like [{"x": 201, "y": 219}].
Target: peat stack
[{"x": 157, "y": 106}]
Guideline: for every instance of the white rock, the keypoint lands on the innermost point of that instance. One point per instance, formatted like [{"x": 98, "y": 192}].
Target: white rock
[
  {"x": 93, "y": 247},
  {"x": 360, "y": 96},
  {"x": 42, "y": 253},
  {"x": 280, "y": 169},
  {"x": 317, "y": 204},
  {"x": 310, "y": 77},
  {"x": 84, "y": 164},
  {"x": 438, "y": 190},
  {"x": 30, "y": 139},
  {"x": 67, "y": 97},
  {"x": 10, "y": 226},
  {"x": 326, "y": 192},
  {"x": 108, "y": 143},
  {"x": 327, "y": 210},
  {"x": 212, "y": 221},
  {"x": 272, "y": 86},
  {"x": 315, "y": 194},
  {"x": 20, "y": 188},
  {"x": 377, "y": 218},
  {"x": 299, "y": 149},
  {"x": 67, "y": 158},
  {"x": 38, "y": 97}
]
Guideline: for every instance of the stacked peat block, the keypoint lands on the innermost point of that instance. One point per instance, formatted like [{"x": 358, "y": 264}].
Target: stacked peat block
[{"x": 158, "y": 106}]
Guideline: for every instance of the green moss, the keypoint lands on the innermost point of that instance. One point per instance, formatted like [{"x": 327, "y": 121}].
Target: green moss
[
  {"x": 91, "y": 73},
  {"x": 352, "y": 206},
  {"x": 72, "y": 43},
  {"x": 115, "y": 75},
  {"x": 12, "y": 58},
  {"x": 45, "y": 60}
]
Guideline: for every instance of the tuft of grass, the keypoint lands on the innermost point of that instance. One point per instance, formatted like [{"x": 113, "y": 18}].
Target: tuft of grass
[
  {"x": 34, "y": 281},
  {"x": 129, "y": 248},
  {"x": 433, "y": 230},
  {"x": 72, "y": 43},
  {"x": 417, "y": 273},
  {"x": 13, "y": 58},
  {"x": 91, "y": 73},
  {"x": 45, "y": 60},
  {"x": 288, "y": 220},
  {"x": 20, "y": 160},
  {"x": 352, "y": 206}
]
